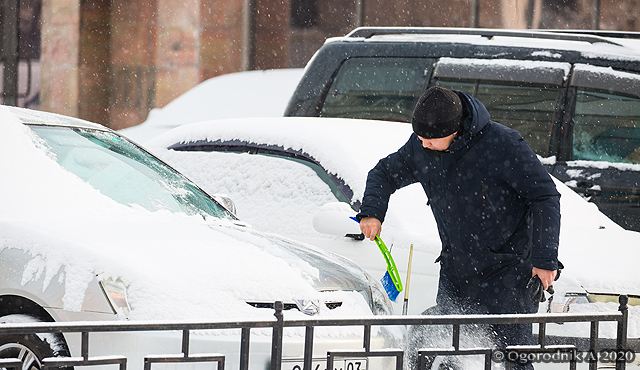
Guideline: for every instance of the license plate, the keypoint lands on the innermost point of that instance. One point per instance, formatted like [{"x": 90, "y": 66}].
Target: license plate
[{"x": 321, "y": 364}]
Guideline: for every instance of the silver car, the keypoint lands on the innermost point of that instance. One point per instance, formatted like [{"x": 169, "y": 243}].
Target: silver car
[{"x": 93, "y": 227}]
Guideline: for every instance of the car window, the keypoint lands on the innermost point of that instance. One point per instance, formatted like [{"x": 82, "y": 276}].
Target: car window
[
  {"x": 124, "y": 172},
  {"x": 522, "y": 95},
  {"x": 606, "y": 125},
  {"x": 376, "y": 88},
  {"x": 338, "y": 187},
  {"x": 527, "y": 108}
]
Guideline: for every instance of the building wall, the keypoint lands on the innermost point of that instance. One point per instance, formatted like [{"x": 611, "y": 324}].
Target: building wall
[
  {"x": 59, "y": 56},
  {"x": 112, "y": 61},
  {"x": 221, "y": 41},
  {"x": 272, "y": 25},
  {"x": 132, "y": 64},
  {"x": 94, "y": 56}
]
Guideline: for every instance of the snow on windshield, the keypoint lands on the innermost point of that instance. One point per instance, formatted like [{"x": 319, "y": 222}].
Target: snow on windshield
[{"x": 340, "y": 148}]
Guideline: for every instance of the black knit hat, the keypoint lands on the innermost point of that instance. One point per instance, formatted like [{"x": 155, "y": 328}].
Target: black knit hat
[{"x": 437, "y": 113}]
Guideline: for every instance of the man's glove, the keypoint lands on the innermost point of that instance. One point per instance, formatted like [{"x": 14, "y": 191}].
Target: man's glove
[{"x": 535, "y": 286}]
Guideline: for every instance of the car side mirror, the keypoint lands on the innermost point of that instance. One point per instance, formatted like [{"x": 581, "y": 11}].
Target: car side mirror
[
  {"x": 225, "y": 202},
  {"x": 336, "y": 219}
]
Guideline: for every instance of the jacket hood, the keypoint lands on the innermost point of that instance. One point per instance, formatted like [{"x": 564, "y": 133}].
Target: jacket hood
[{"x": 475, "y": 118}]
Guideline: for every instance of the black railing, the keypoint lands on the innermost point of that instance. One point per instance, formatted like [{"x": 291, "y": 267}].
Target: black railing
[{"x": 567, "y": 352}]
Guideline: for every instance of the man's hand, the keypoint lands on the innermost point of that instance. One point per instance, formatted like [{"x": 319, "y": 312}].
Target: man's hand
[
  {"x": 546, "y": 276},
  {"x": 370, "y": 227}
]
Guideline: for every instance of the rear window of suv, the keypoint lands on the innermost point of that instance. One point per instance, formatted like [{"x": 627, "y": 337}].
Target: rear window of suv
[
  {"x": 520, "y": 94},
  {"x": 376, "y": 88},
  {"x": 528, "y": 108}
]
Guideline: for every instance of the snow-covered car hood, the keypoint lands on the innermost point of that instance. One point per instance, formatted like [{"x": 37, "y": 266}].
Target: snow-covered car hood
[{"x": 172, "y": 264}]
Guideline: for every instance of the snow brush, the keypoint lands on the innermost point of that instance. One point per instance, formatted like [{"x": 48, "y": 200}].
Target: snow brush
[{"x": 391, "y": 280}]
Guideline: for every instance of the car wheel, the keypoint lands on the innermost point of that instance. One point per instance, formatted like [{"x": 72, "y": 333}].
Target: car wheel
[{"x": 30, "y": 348}]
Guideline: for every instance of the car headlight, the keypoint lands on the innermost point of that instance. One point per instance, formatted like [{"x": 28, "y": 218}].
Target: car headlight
[
  {"x": 380, "y": 302},
  {"x": 116, "y": 293},
  {"x": 571, "y": 299}
]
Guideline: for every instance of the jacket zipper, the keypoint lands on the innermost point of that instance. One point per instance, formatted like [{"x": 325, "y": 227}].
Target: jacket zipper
[{"x": 485, "y": 196}]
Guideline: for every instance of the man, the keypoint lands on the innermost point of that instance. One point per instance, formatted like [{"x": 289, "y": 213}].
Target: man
[{"x": 496, "y": 207}]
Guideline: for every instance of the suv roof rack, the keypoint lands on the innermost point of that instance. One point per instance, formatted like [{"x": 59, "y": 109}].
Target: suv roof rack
[
  {"x": 601, "y": 33},
  {"x": 367, "y": 32}
]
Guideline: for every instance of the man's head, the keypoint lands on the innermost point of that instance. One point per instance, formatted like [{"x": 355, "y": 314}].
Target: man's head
[{"x": 437, "y": 114}]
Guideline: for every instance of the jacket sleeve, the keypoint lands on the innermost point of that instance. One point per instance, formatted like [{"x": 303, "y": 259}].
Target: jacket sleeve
[
  {"x": 532, "y": 182},
  {"x": 391, "y": 173}
]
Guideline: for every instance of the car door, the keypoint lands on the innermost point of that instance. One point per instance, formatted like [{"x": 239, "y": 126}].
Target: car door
[{"x": 600, "y": 155}]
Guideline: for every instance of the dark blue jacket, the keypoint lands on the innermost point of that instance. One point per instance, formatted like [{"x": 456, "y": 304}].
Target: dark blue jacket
[{"x": 494, "y": 203}]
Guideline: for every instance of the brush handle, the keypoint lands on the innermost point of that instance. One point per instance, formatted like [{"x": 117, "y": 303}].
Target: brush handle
[{"x": 391, "y": 265}]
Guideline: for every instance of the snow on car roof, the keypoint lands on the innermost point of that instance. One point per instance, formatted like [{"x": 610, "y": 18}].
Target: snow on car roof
[
  {"x": 172, "y": 263},
  {"x": 609, "y": 48},
  {"x": 564, "y": 68},
  {"x": 33, "y": 116},
  {"x": 241, "y": 94}
]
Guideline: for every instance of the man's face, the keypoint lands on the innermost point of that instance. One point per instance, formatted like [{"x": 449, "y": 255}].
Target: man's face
[{"x": 440, "y": 144}]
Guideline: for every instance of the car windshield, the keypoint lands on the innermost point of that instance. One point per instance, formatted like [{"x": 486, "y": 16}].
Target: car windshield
[{"x": 124, "y": 172}]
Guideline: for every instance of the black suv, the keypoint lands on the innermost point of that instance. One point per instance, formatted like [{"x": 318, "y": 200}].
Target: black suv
[{"x": 573, "y": 95}]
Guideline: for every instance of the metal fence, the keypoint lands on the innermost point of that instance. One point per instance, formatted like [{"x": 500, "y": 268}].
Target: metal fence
[{"x": 569, "y": 350}]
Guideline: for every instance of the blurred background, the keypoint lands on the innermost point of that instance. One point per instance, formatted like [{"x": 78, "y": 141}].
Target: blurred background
[{"x": 112, "y": 61}]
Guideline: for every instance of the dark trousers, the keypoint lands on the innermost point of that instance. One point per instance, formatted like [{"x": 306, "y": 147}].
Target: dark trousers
[{"x": 503, "y": 293}]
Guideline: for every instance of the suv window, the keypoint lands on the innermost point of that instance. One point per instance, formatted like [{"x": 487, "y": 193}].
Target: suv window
[
  {"x": 528, "y": 107},
  {"x": 376, "y": 88},
  {"x": 606, "y": 127},
  {"x": 606, "y": 123}
]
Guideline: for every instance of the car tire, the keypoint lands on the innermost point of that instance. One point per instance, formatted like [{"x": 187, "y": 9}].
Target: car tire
[{"x": 31, "y": 348}]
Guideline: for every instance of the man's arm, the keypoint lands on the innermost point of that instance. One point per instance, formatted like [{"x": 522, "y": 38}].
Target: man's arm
[
  {"x": 533, "y": 183},
  {"x": 390, "y": 173}
]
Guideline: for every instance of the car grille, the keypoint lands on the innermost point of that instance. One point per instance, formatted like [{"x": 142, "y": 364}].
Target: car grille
[{"x": 290, "y": 305}]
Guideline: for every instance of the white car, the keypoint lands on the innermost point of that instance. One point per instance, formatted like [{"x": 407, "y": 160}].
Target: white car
[
  {"x": 264, "y": 93},
  {"x": 306, "y": 166},
  {"x": 93, "y": 227}
]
